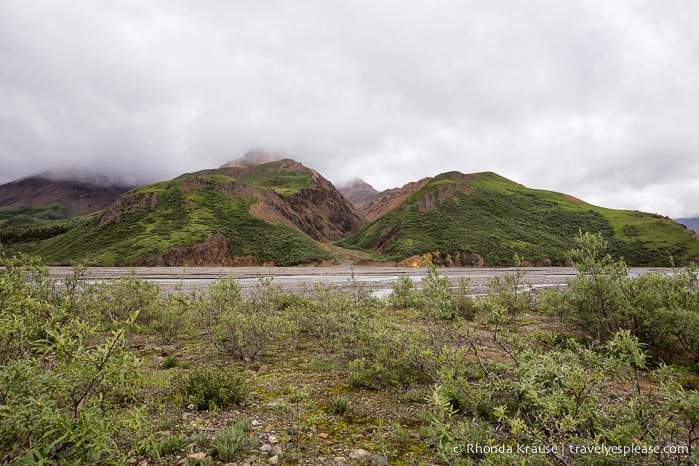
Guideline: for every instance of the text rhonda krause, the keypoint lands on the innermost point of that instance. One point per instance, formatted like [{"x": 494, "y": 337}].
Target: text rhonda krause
[{"x": 572, "y": 449}]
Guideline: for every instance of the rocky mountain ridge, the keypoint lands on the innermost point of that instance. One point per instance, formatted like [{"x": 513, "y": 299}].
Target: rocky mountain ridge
[{"x": 57, "y": 198}]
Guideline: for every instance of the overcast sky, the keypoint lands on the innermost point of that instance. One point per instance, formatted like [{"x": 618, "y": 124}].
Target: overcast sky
[{"x": 594, "y": 98}]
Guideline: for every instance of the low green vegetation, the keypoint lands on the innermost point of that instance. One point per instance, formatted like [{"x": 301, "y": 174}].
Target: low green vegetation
[
  {"x": 603, "y": 371},
  {"x": 50, "y": 212},
  {"x": 286, "y": 177},
  {"x": 495, "y": 218},
  {"x": 156, "y": 218}
]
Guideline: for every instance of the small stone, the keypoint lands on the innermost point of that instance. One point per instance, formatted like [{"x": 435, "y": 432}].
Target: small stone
[
  {"x": 378, "y": 460},
  {"x": 268, "y": 429},
  {"x": 328, "y": 442},
  {"x": 291, "y": 431},
  {"x": 167, "y": 350},
  {"x": 266, "y": 447},
  {"x": 273, "y": 460},
  {"x": 197, "y": 456},
  {"x": 276, "y": 451},
  {"x": 255, "y": 423},
  {"x": 263, "y": 369},
  {"x": 340, "y": 459},
  {"x": 359, "y": 454},
  {"x": 131, "y": 461},
  {"x": 179, "y": 355},
  {"x": 323, "y": 436},
  {"x": 272, "y": 439}
]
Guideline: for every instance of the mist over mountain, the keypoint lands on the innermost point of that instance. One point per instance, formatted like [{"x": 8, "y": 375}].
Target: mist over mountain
[
  {"x": 57, "y": 195},
  {"x": 255, "y": 212}
]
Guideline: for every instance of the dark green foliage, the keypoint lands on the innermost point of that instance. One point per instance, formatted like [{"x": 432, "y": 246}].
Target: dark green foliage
[
  {"x": 10, "y": 234},
  {"x": 213, "y": 388},
  {"x": 170, "y": 362},
  {"x": 380, "y": 357},
  {"x": 568, "y": 395},
  {"x": 65, "y": 385},
  {"x": 495, "y": 218},
  {"x": 180, "y": 212},
  {"x": 340, "y": 405},
  {"x": 661, "y": 310},
  {"x": 50, "y": 212}
]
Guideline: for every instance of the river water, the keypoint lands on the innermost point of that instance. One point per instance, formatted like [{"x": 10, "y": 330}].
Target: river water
[{"x": 377, "y": 280}]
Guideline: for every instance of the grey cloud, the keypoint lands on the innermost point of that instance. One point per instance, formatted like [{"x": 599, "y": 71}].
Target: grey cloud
[{"x": 593, "y": 98}]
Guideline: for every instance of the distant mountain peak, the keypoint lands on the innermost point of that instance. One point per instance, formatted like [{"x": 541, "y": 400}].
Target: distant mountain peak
[
  {"x": 252, "y": 157},
  {"x": 58, "y": 195},
  {"x": 357, "y": 183}
]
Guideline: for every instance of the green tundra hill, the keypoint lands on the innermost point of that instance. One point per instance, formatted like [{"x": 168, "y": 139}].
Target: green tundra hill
[
  {"x": 262, "y": 217},
  {"x": 483, "y": 218}
]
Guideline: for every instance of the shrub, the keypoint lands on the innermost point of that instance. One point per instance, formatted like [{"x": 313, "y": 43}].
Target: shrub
[
  {"x": 511, "y": 291},
  {"x": 233, "y": 440},
  {"x": 119, "y": 299},
  {"x": 662, "y": 311},
  {"x": 328, "y": 315},
  {"x": 404, "y": 294},
  {"x": 380, "y": 357},
  {"x": 569, "y": 395},
  {"x": 238, "y": 326},
  {"x": 213, "y": 388},
  {"x": 172, "y": 315},
  {"x": 435, "y": 299},
  {"x": 340, "y": 405},
  {"x": 65, "y": 386},
  {"x": 170, "y": 362}
]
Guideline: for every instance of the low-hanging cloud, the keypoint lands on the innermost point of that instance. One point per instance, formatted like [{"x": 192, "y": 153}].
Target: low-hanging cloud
[{"x": 596, "y": 99}]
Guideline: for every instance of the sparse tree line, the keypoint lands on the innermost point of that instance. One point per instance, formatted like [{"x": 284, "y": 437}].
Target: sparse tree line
[
  {"x": 618, "y": 365},
  {"x": 12, "y": 235}
]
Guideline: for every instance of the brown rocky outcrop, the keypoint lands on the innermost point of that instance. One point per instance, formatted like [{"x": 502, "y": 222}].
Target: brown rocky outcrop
[
  {"x": 213, "y": 252},
  {"x": 430, "y": 200},
  {"x": 388, "y": 200},
  {"x": 457, "y": 259},
  {"x": 319, "y": 211},
  {"x": 128, "y": 203}
]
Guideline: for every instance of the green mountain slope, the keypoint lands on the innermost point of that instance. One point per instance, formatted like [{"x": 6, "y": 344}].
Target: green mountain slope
[
  {"x": 485, "y": 214},
  {"x": 275, "y": 216}
]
